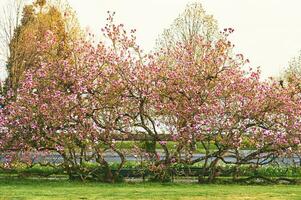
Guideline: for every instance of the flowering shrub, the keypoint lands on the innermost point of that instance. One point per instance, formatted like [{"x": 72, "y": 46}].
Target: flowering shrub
[{"x": 196, "y": 95}]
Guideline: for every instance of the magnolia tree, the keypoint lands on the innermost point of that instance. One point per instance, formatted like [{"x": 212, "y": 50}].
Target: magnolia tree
[
  {"x": 77, "y": 106},
  {"x": 203, "y": 96},
  {"x": 194, "y": 94}
]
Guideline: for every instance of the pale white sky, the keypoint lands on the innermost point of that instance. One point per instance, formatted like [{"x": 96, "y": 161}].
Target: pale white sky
[{"x": 268, "y": 32}]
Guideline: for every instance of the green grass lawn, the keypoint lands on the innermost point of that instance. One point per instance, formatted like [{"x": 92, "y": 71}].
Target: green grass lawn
[{"x": 43, "y": 189}]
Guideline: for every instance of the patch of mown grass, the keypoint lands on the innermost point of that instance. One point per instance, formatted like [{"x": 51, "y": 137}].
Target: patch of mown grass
[{"x": 53, "y": 189}]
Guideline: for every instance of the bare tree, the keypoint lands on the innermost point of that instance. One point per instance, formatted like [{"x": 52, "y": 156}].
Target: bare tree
[
  {"x": 9, "y": 20},
  {"x": 188, "y": 25}
]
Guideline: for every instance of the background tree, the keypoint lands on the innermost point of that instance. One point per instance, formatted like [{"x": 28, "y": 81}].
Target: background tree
[
  {"x": 37, "y": 19},
  {"x": 292, "y": 74},
  {"x": 191, "y": 23}
]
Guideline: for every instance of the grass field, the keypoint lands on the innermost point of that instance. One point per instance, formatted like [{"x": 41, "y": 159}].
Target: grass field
[{"x": 42, "y": 189}]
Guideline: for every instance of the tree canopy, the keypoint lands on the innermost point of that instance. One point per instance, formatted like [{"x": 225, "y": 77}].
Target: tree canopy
[{"x": 38, "y": 19}]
